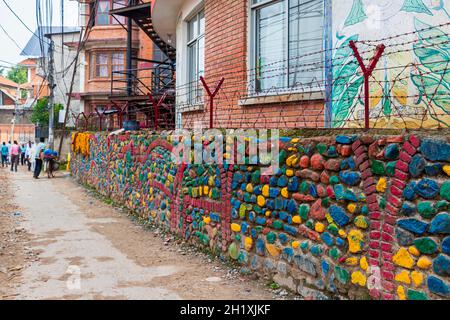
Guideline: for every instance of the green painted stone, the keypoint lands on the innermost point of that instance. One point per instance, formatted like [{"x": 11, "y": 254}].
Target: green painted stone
[
  {"x": 259, "y": 229},
  {"x": 277, "y": 224},
  {"x": 238, "y": 237},
  {"x": 390, "y": 168},
  {"x": 365, "y": 210},
  {"x": 242, "y": 210},
  {"x": 441, "y": 205},
  {"x": 378, "y": 168},
  {"x": 426, "y": 245},
  {"x": 321, "y": 148},
  {"x": 416, "y": 295},
  {"x": 333, "y": 229},
  {"x": 257, "y": 209},
  {"x": 304, "y": 187},
  {"x": 326, "y": 202},
  {"x": 341, "y": 274},
  {"x": 271, "y": 237},
  {"x": 426, "y": 209},
  {"x": 233, "y": 251},
  {"x": 334, "y": 253},
  {"x": 304, "y": 245},
  {"x": 256, "y": 177},
  {"x": 303, "y": 211},
  {"x": 200, "y": 170},
  {"x": 282, "y": 156},
  {"x": 445, "y": 190},
  {"x": 383, "y": 202},
  {"x": 310, "y": 224},
  {"x": 215, "y": 193},
  {"x": 334, "y": 180},
  {"x": 247, "y": 197}
]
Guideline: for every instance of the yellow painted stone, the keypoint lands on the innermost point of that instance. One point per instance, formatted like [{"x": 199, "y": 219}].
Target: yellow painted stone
[
  {"x": 342, "y": 233},
  {"x": 210, "y": 193},
  {"x": 401, "y": 293},
  {"x": 361, "y": 222},
  {"x": 297, "y": 219},
  {"x": 351, "y": 207},
  {"x": 381, "y": 185},
  {"x": 295, "y": 244},
  {"x": 249, "y": 188},
  {"x": 290, "y": 160},
  {"x": 289, "y": 172},
  {"x": 295, "y": 140},
  {"x": 403, "y": 258},
  {"x": 358, "y": 278},
  {"x": 329, "y": 218},
  {"x": 268, "y": 213},
  {"x": 265, "y": 190},
  {"x": 351, "y": 261},
  {"x": 417, "y": 278},
  {"x": 363, "y": 263},
  {"x": 261, "y": 201},
  {"x": 205, "y": 190},
  {"x": 403, "y": 276},
  {"x": 446, "y": 169},
  {"x": 273, "y": 250},
  {"x": 248, "y": 243},
  {"x": 355, "y": 241},
  {"x": 413, "y": 250},
  {"x": 235, "y": 227},
  {"x": 424, "y": 263},
  {"x": 319, "y": 227},
  {"x": 285, "y": 192},
  {"x": 206, "y": 220}
]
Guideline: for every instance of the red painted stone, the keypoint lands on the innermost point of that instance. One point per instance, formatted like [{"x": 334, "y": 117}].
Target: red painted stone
[
  {"x": 304, "y": 162},
  {"x": 387, "y": 256},
  {"x": 415, "y": 141},
  {"x": 325, "y": 177},
  {"x": 405, "y": 157},
  {"x": 409, "y": 148},
  {"x": 321, "y": 190},
  {"x": 303, "y": 197},
  {"x": 388, "y": 229},
  {"x": 375, "y": 235},
  {"x": 332, "y": 165},
  {"x": 346, "y": 151},
  {"x": 309, "y": 174},
  {"x": 390, "y": 220},
  {"x": 356, "y": 144},
  {"x": 375, "y": 225},
  {"x": 374, "y": 253},
  {"x": 373, "y": 262},
  {"x": 388, "y": 286},
  {"x": 365, "y": 165},
  {"x": 359, "y": 160},
  {"x": 374, "y": 244},
  {"x": 386, "y": 247},
  {"x": 361, "y": 150},
  {"x": 375, "y": 215},
  {"x": 387, "y": 237},
  {"x": 401, "y": 175},
  {"x": 374, "y": 293},
  {"x": 388, "y": 266},
  {"x": 394, "y": 139},
  {"x": 366, "y": 139},
  {"x": 387, "y": 275},
  {"x": 316, "y": 211},
  {"x": 396, "y": 191},
  {"x": 398, "y": 183},
  {"x": 317, "y": 162},
  {"x": 402, "y": 166}
]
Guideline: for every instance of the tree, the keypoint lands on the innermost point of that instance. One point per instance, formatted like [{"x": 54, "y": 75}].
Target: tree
[
  {"x": 18, "y": 75},
  {"x": 40, "y": 115}
]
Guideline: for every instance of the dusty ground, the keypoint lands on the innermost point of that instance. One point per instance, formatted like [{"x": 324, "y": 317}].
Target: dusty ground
[{"x": 58, "y": 241}]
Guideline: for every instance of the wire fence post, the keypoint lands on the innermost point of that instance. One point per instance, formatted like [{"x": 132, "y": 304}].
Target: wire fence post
[
  {"x": 211, "y": 95},
  {"x": 367, "y": 72}
]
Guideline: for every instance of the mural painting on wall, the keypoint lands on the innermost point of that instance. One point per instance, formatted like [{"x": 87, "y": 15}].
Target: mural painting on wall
[
  {"x": 344, "y": 216},
  {"x": 411, "y": 83}
]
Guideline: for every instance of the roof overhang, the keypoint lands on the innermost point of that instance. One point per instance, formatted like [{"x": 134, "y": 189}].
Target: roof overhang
[{"x": 164, "y": 16}]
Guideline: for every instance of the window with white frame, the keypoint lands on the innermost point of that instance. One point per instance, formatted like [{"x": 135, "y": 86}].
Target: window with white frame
[
  {"x": 196, "y": 55},
  {"x": 287, "y": 44}
]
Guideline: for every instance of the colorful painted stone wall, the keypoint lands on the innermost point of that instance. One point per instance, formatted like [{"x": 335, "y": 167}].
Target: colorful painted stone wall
[
  {"x": 344, "y": 217},
  {"x": 411, "y": 83}
]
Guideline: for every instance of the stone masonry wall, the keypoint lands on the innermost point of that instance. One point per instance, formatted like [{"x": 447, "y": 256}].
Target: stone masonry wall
[{"x": 344, "y": 217}]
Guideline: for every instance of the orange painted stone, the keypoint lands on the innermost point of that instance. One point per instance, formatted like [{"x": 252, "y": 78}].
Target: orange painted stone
[{"x": 317, "y": 162}]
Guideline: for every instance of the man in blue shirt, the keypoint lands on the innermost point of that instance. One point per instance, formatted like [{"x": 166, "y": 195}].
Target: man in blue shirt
[
  {"x": 4, "y": 152},
  {"x": 39, "y": 156}
]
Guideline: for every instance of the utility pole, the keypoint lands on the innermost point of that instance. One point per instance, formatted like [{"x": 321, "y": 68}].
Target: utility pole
[{"x": 51, "y": 102}]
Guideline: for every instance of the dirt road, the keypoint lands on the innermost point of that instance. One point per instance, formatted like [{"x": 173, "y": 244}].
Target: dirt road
[{"x": 58, "y": 241}]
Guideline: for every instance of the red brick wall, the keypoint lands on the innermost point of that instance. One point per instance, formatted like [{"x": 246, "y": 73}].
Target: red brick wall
[{"x": 226, "y": 55}]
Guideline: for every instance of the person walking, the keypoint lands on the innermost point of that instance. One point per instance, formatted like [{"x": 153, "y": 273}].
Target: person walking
[
  {"x": 8, "y": 160},
  {"x": 28, "y": 154},
  {"x": 4, "y": 154},
  {"x": 22, "y": 154},
  {"x": 39, "y": 156},
  {"x": 15, "y": 156}
]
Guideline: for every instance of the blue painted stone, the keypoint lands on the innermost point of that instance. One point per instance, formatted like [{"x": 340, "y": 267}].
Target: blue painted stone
[
  {"x": 283, "y": 215},
  {"x": 339, "y": 191},
  {"x": 344, "y": 139},
  {"x": 290, "y": 229},
  {"x": 446, "y": 246},
  {"x": 293, "y": 184},
  {"x": 279, "y": 204},
  {"x": 327, "y": 239},
  {"x": 234, "y": 213},
  {"x": 254, "y": 233},
  {"x": 344, "y": 164},
  {"x": 440, "y": 224},
  {"x": 435, "y": 150},
  {"x": 433, "y": 169},
  {"x": 350, "y": 178},
  {"x": 243, "y": 186},
  {"x": 260, "y": 220},
  {"x": 350, "y": 196},
  {"x": 305, "y": 264},
  {"x": 437, "y": 286},
  {"x": 313, "y": 190},
  {"x": 260, "y": 246},
  {"x": 332, "y": 152},
  {"x": 391, "y": 152},
  {"x": 292, "y": 206},
  {"x": 244, "y": 227},
  {"x": 251, "y": 216},
  {"x": 252, "y": 199},
  {"x": 283, "y": 238},
  {"x": 257, "y": 190},
  {"x": 340, "y": 242},
  {"x": 325, "y": 266},
  {"x": 270, "y": 204},
  {"x": 339, "y": 216},
  {"x": 441, "y": 265},
  {"x": 410, "y": 191},
  {"x": 287, "y": 254},
  {"x": 274, "y": 192},
  {"x": 408, "y": 209},
  {"x": 273, "y": 181},
  {"x": 413, "y": 225},
  {"x": 316, "y": 250},
  {"x": 282, "y": 181},
  {"x": 427, "y": 188},
  {"x": 351, "y": 163},
  {"x": 417, "y": 165},
  {"x": 234, "y": 184}
]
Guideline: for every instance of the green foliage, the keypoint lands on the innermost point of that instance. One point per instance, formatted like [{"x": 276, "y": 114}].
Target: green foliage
[
  {"x": 433, "y": 78},
  {"x": 346, "y": 82},
  {"x": 18, "y": 75},
  {"x": 40, "y": 115}
]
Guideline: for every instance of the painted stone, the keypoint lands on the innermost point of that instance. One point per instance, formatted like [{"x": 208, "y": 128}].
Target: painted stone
[
  {"x": 260, "y": 247},
  {"x": 413, "y": 225},
  {"x": 426, "y": 209},
  {"x": 417, "y": 278},
  {"x": 441, "y": 265},
  {"x": 350, "y": 178},
  {"x": 293, "y": 184},
  {"x": 361, "y": 222},
  {"x": 390, "y": 168},
  {"x": 304, "y": 162},
  {"x": 403, "y": 277},
  {"x": 440, "y": 224},
  {"x": 435, "y": 150},
  {"x": 424, "y": 263},
  {"x": 416, "y": 295},
  {"x": 417, "y": 165},
  {"x": 341, "y": 274},
  {"x": 233, "y": 251},
  {"x": 391, "y": 152},
  {"x": 381, "y": 185},
  {"x": 426, "y": 245},
  {"x": 438, "y": 286},
  {"x": 327, "y": 239},
  {"x": 317, "y": 162},
  {"x": 446, "y": 169},
  {"x": 408, "y": 209},
  {"x": 305, "y": 264},
  {"x": 378, "y": 168},
  {"x": 445, "y": 190},
  {"x": 355, "y": 241},
  {"x": 433, "y": 169},
  {"x": 338, "y": 215},
  {"x": 344, "y": 139},
  {"x": 316, "y": 211},
  {"x": 427, "y": 188},
  {"x": 410, "y": 191},
  {"x": 403, "y": 258},
  {"x": 446, "y": 246},
  {"x": 359, "y": 278}
]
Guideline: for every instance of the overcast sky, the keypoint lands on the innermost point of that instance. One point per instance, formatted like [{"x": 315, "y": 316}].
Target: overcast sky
[{"x": 25, "y": 9}]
